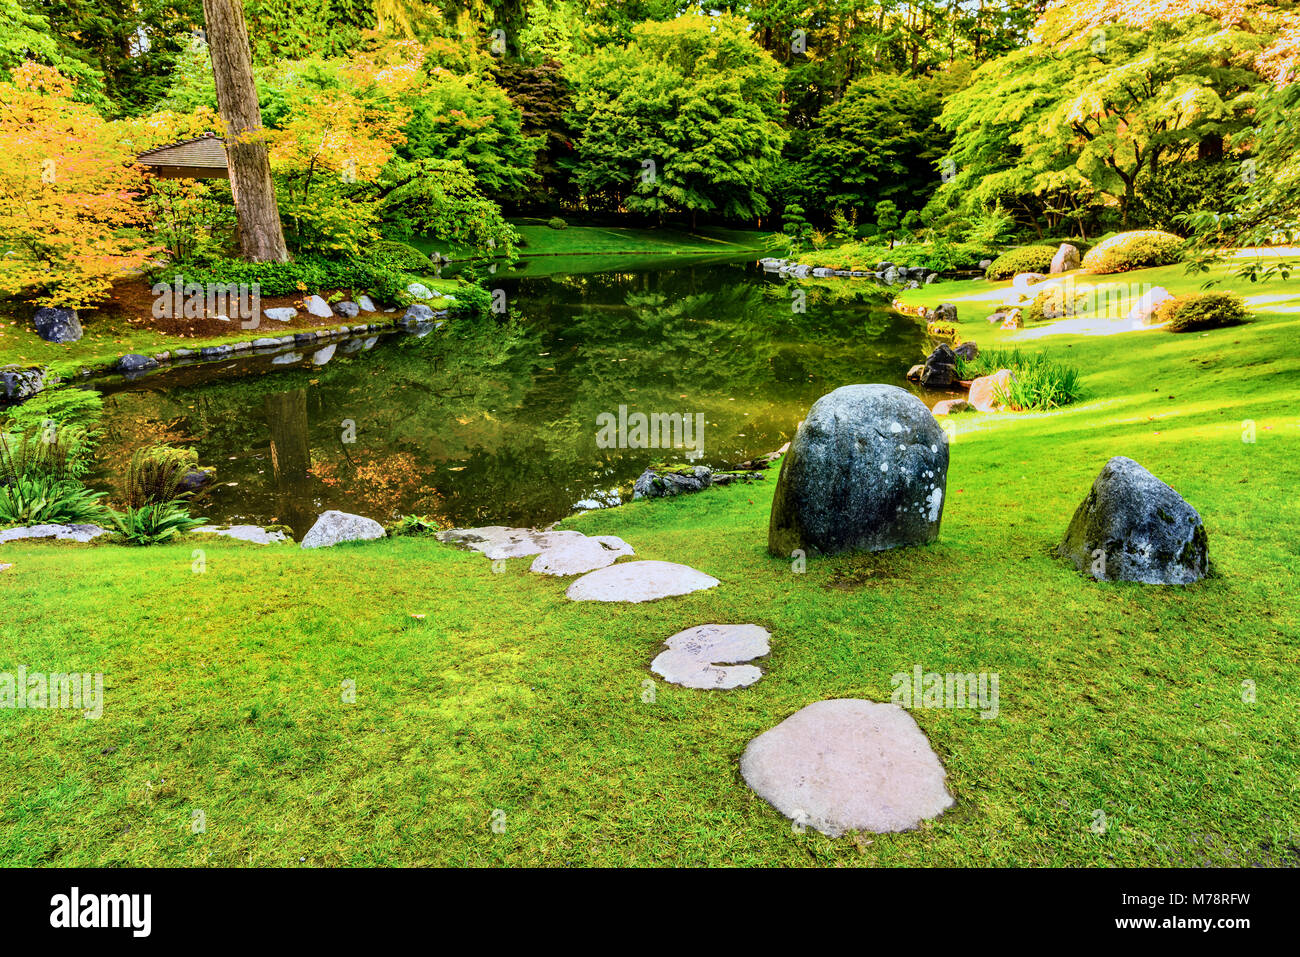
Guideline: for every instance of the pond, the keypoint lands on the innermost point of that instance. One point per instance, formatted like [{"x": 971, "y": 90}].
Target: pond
[{"x": 496, "y": 420}]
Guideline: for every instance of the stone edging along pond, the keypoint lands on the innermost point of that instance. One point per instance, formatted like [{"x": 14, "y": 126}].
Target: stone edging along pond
[{"x": 19, "y": 383}]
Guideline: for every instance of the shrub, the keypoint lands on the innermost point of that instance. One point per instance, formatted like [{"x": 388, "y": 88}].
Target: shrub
[
  {"x": 555, "y": 222},
  {"x": 1040, "y": 382},
  {"x": 1024, "y": 259},
  {"x": 306, "y": 274},
  {"x": 1135, "y": 250},
  {"x": 400, "y": 256},
  {"x": 154, "y": 523},
  {"x": 441, "y": 199},
  {"x": 1051, "y": 304},
  {"x": 1211, "y": 310},
  {"x": 414, "y": 525},
  {"x": 45, "y": 500},
  {"x": 155, "y": 474},
  {"x": 81, "y": 407}
]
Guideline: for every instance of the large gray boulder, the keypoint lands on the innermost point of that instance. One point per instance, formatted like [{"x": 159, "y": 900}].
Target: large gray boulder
[
  {"x": 334, "y": 527},
  {"x": 56, "y": 324},
  {"x": 1133, "y": 527},
  {"x": 867, "y": 470}
]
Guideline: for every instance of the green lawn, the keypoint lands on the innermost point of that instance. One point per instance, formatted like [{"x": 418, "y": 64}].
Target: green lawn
[
  {"x": 576, "y": 241},
  {"x": 223, "y": 688}
]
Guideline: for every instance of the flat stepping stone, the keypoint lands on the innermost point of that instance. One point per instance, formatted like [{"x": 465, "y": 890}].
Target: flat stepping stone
[
  {"x": 848, "y": 765},
  {"x": 694, "y": 656},
  {"x": 578, "y": 556},
  {"x": 498, "y": 541},
  {"x": 245, "y": 533},
  {"x": 639, "y": 581}
]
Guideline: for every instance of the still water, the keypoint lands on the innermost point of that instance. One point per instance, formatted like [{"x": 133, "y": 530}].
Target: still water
[{"x": 495, "y": 420}]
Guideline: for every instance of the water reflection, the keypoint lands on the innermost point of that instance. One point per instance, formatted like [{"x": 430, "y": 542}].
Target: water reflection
[{"x": 496, "y": 420}]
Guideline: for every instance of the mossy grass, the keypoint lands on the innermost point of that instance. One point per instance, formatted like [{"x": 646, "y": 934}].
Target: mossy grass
[{"x": 225, "y": 689}]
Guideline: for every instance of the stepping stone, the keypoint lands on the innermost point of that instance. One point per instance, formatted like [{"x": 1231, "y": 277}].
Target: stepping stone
[
  {"x": 4, "y": 567},
  {"x": 848, "y": 765},
  {"x": 245, "y": 533},
  {"x": 639, "y": 581},
  {"x": 581, "y": 555},
  {"x": 694, "y": 654},
  {"x": 498, "y": 541}
]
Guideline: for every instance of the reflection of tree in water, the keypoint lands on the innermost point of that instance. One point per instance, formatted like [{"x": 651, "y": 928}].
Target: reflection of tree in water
[
  {"x": 286, "y": 421},
  {"x": 495, "y": 421}
]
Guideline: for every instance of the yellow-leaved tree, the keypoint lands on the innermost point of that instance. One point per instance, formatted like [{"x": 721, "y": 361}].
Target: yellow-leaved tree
[{"x": 68, "y": 216}]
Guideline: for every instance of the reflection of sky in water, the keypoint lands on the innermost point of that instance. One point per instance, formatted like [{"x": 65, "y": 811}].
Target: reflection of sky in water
[{"x": 488, "y": 421}]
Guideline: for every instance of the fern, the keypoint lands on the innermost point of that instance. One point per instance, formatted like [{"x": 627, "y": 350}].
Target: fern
[
  {"x": 154, "y": 523},
  {"x": 155, "y": 475},
  {"x": 44, "y": 500}
]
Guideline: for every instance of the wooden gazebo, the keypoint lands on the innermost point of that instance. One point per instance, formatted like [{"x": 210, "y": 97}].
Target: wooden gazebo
[{"x": 203, "y": 157}]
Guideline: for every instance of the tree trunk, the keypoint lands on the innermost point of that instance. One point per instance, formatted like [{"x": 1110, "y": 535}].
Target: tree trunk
[{"x": 261, "y": 237}]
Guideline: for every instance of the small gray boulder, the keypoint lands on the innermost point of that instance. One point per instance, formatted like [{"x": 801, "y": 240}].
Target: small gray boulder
[
  {"x": 334, "y": 527},
  {"x": 57, "y": 324},
  {"x": 1133, "y": 527}
]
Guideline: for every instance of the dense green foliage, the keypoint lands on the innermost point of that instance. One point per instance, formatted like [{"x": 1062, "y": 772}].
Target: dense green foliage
[
  {"x": 155, "y": 523},
  {"x": 1197, "y": 312},
  {"x": 1025, "y": 259},
  {"x": 1039, "y": 382}
]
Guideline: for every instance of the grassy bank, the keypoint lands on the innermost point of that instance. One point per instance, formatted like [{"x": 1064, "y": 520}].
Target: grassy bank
[
  {"x": 539, "y": 239},
  {"x": 223, "y": 687}
]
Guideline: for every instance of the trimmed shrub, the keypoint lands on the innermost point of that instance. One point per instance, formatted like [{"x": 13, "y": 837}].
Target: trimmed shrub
[
  {"x": 555, "y": 222},
  {"x": 1135, "y": 250},
  {"x": 1211, "y": 310},
  {"x": 1025, "y": 259},
  {"x": 307, "y": 274},
  {"x": 1051, "y": 304},
  {"x": 394, "y": 255}
]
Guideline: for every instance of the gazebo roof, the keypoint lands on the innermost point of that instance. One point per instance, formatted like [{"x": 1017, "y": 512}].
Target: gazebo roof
[{"x": 203, "y": 157}]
